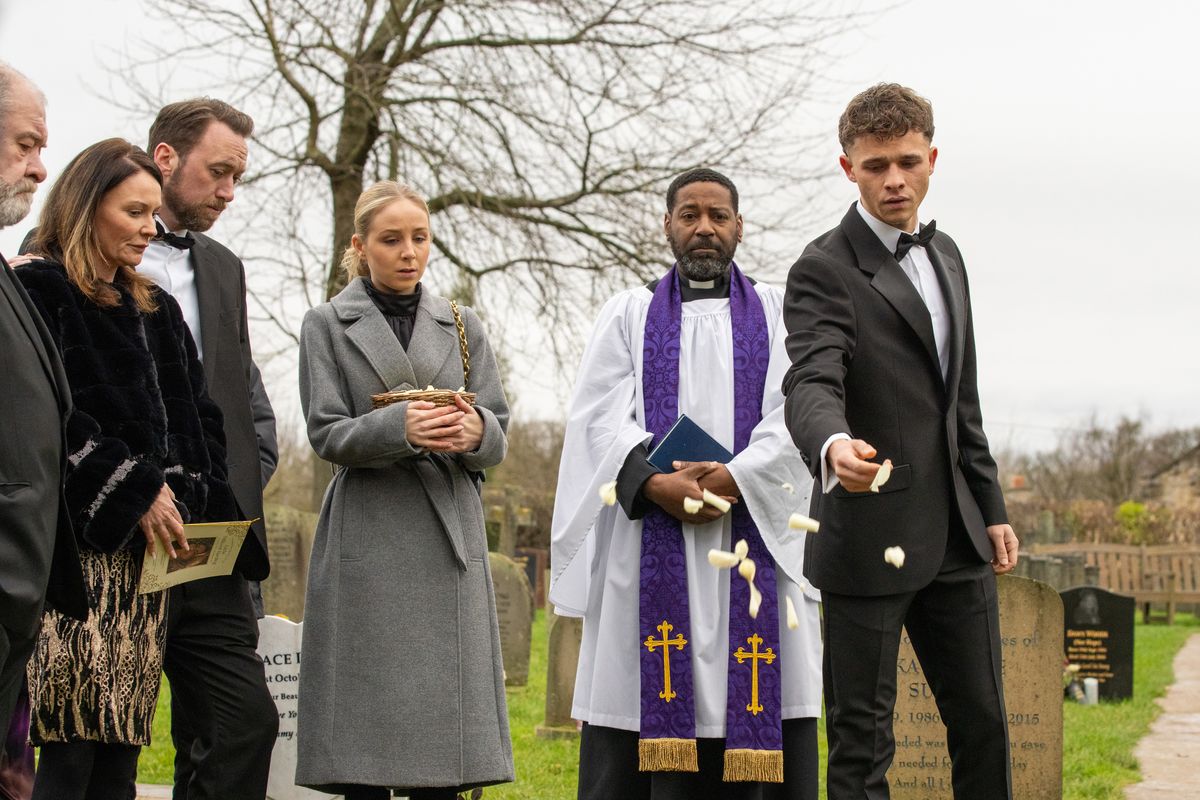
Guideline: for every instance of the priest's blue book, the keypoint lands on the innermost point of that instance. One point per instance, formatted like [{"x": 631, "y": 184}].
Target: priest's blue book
[{"x": 687, "y": 441}]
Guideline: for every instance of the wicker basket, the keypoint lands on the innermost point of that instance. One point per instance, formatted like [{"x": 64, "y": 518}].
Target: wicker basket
[{"x": 439, "y": 397}]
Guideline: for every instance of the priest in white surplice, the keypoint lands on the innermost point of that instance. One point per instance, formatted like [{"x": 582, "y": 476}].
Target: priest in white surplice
[{"x": 684, "y": 692}]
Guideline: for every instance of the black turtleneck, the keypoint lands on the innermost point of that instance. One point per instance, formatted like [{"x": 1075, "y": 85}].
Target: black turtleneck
[{"x": 399, "y": 310}]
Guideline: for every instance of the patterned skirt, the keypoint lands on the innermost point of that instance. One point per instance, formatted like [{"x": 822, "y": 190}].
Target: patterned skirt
[{"x": 98, "y": 680}]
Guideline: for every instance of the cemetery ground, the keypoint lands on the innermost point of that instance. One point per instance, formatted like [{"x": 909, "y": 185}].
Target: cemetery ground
[{"x": 1097, "y": 749}]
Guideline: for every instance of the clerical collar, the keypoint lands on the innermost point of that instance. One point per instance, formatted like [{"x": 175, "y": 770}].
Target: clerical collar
[
  {"x": 689, "y": 290},
  {"x": 889, "y": 235},
  {"x": 393, "y": 305}
]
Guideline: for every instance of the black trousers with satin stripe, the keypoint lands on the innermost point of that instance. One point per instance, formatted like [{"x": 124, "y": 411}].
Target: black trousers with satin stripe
[
  {"x": 954, "y": 627},
  {"x": 608, "y": 769},
  {"x": 224, "y": 720}
]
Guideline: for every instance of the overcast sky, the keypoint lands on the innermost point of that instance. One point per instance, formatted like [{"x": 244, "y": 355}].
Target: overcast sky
[{"x": 1067, "y": 174}]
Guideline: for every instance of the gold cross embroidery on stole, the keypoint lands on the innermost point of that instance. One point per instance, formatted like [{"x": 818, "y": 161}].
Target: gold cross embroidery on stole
[
  {"x": 768, "y": 656},
  {"x": 665, "y": 643}
]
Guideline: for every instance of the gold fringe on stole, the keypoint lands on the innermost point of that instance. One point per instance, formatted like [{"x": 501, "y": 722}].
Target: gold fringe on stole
[
  {"x": 754, "y": 765},
  {"x": 670, "y": 755}
]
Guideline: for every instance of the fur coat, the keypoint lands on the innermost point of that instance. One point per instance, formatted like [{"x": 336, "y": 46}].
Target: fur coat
[{"x": 141, "y": 417}]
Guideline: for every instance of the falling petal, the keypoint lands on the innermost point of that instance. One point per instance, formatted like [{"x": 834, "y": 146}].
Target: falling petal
[
  {"x": 608, "y": 493},
  {"x": 716, "y": 501},
  {"x": 882, "y": 475},
  {"x": 894, "y": 556},
  {"x": 430, "y": 388},
  {"x": 462, "y": 389},
  {"x": 741, "y": 548},
  {"x": 755, "y": 601},
  {"x": 787, "y": 487},
  {"x": 747, "y": 569},
  {"x": 792, "y": 619},
  {"x": 722, "y": 560},
  {"x": 799, "y": 522},
  {"x": 692, "y": 506}
]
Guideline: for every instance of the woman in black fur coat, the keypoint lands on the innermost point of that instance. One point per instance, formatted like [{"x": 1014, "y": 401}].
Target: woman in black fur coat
[{"x": 146, "y": 454}]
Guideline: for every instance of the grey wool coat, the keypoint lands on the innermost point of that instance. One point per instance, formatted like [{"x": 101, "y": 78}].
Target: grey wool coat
[{"x": 401, "y": 682}]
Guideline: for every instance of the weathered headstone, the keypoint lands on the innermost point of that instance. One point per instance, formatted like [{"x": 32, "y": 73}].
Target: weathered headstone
[
  {"x": 1030, "y": 633},
  {"x": 1098, "y": 636},
  {"x": 289, "y": 537},
  {"x": 514, "y": 609},
  {"x": 536, "y": 562},
  {"x": 279, "y": 649},
  {"x": 566, "y": 636}
]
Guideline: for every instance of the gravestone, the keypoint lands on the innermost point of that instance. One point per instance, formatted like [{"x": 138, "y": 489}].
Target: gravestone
[
  {"x": 1031, "y": 648},
  {"x": 536, "y": 562},
  {"x": 279, "y": 649},
  {"x": 289, "y": 538},
  {"x": 566, "y": 637},
  {"x": 1098, "y": 636},
  {"x": 514, "y": 611}
]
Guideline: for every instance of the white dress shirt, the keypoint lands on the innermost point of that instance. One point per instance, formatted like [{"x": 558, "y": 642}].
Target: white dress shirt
[
  {"x": 171, "y": 268},
  {"x": 920, "y": 271}
]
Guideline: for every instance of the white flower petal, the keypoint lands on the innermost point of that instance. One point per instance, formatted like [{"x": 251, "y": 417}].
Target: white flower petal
[
  {"x": 793, "y": 621},
  {"x": 747, "y": 569},
  {"x": 721, "y": 559},
  {"x": 881, "y": 477},
  {"x": 717, "y": 502},
  {"x": 692, "y": 506},
  {"x": 799, "y": 522},
  {"x": 755, "y": 601},
  {"x": 787, "y": 487},
  {"x": 894, "y": 556},
  {"x": 608, "y": 493},
  {"x": 741, "y": 548}
]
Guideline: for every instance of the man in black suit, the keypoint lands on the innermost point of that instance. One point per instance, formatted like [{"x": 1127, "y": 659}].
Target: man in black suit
[
  {"x": 39, "y": 560},
  {"x": 223, "y": 719},
  {"x": 883, "y": 367}
]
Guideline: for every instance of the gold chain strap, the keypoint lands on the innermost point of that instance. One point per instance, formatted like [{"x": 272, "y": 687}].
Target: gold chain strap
[{"x": 462, "y": 344}]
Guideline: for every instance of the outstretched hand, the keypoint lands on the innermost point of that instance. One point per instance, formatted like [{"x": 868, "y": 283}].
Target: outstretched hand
[
  {"x": 849, "y": 460},
  {"x": 667, "y": 490}
]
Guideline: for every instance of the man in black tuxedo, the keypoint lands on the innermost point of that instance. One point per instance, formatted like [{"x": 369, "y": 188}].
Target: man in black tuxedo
[
  {"x": 223, "y": 719},
  {"x": 39, "y": 560},
  {"x": 883, "y": 367}
]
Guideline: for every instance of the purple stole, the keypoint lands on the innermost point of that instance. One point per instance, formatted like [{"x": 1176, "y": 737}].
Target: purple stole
[{"x": 753, "y": 723}]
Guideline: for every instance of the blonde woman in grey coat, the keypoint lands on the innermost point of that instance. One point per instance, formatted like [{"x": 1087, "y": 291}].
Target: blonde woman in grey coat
[{"x": 401, "y": 685}]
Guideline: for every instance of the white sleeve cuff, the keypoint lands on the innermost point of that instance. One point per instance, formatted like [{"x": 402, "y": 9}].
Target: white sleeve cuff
[{"x": 829, "y": 479}]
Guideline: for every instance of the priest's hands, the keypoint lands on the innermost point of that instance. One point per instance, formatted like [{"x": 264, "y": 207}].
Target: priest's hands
[
  {"x": 445, "y": 429},
  {"x": 668, "y": 490}
]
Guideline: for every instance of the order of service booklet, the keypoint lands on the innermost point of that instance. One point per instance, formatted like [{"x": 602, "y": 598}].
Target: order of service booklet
[{"x": 214, "y": 547}]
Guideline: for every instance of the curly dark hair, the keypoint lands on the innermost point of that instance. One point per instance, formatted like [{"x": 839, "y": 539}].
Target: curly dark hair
[{"x": 885, "y": 111}]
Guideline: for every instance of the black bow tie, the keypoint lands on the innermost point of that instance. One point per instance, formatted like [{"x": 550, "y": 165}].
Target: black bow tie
[
  {"x": 184, "y": 242},
  {"x": 922, "y": 238}
]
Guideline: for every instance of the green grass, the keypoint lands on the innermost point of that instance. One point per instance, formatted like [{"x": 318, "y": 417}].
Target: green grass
[
  {"x": 1097, "y": 748},
  {"x": 1098, "y": 741}
]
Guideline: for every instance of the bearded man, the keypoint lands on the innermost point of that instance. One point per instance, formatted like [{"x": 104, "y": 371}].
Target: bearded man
[{"x": 685, "y": 693}]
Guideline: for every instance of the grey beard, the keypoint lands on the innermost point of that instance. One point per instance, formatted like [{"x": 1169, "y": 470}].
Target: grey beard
[
  {"x": 14, "y": 203},
  {"x": 703, "y": 269}
]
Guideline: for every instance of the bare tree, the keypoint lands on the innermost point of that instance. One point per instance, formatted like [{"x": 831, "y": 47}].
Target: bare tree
[{"x": 536, "y": 128}]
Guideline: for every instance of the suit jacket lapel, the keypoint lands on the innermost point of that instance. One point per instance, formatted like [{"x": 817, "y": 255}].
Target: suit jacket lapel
[
  {"x": 950, "y": 276},
  {"x": 373, "y": 337},
  {"x": 434, "y": 338},
  {"x": 208, "y": 295},
  {"x": 890, "y": 281},
  {"x": 11, "y": 286}
]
